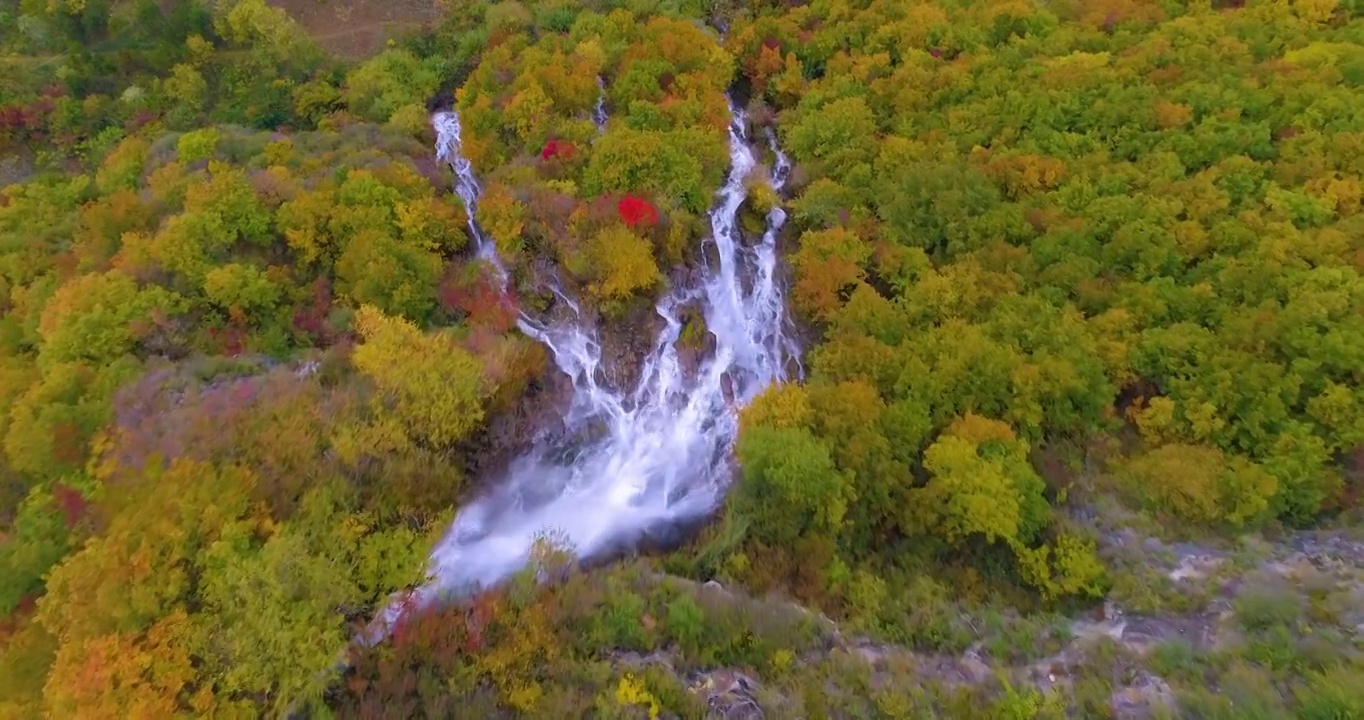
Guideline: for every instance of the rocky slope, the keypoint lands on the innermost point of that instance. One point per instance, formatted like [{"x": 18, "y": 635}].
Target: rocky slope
[{"x": 1208, "y": 604}]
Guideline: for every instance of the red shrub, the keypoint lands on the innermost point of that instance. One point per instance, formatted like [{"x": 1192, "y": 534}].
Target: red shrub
[
  {"x": 312, "y": 317},
  {"x": 11, "y": 623},
  {"x": 228, "y": 341},
  {"x": 477, "y": 295},
  {"x": 71, "y": 503},
  {"x": 413, "y": 671},
  {"x": 407, "y": 612},
  {"x": 436, "y": 172},
  {"x": 20, "y": 122},
  {"x": 12, "y": 117},
  {"x": 69, "y": 443},
  {"x": 139, "y": 119},
  {"x": 636, "y": 211},
  {"x": 601, "y": 212},
  {"x": 558, "y": 148}
]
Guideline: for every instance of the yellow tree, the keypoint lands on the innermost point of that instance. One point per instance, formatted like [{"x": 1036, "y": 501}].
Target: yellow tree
[
  {"x": 779, "y": 407},
  {"x": 127, "y": 675},
  {"x": 827, "y": 264},
  {"x": 622, "y": 264},
  {"x": 435, "y": 387},
  {"x": 982, "y": 485},
  {"x": 1201, "y": 484},
  {"x": 503, "y": 217}
]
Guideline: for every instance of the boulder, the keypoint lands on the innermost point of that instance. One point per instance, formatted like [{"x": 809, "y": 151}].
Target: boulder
[{"x": 729, "y": 694}]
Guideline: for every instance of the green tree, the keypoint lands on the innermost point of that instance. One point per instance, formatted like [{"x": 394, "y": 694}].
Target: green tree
[
  {"x": 98, "y": 318},
  {"x": 840, "y": 136},
  {"x": 790, "y": 487},
  {"x": 197, "y": 145},
  {"x": 378, "y": 270},
  {"x": 40, "y": 539},
  {"x": 241, "y": 287},
  {"x": 382, "y": 85}
]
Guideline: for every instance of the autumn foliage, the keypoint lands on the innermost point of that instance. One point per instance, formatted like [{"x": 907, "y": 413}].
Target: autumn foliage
[{"x": 1057, "y": 266}]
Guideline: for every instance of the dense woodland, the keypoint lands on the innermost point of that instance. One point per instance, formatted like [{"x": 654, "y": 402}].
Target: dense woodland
[{"x": 1060, "y": 266}]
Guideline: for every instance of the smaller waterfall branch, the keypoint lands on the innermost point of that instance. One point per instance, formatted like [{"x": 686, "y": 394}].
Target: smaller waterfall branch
[
  {"x": 785, "y": 347},
  {"x": 599, "y": 112},
  {"x": 449, "y": 149}
]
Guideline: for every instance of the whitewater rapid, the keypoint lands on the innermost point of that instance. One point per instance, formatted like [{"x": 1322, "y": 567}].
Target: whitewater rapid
[{"x": 638, "y": 460}]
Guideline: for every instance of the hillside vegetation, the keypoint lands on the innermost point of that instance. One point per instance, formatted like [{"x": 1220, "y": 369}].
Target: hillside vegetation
[{"x": 1080, "y": 283}]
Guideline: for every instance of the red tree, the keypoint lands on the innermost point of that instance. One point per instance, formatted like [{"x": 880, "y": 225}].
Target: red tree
[{"x": 636, "y": 211}]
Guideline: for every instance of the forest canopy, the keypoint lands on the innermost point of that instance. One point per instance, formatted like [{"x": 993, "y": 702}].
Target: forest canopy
[{"x": 1058, "y": 266}]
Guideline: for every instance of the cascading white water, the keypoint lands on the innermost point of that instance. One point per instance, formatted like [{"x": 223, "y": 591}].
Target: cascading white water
[
  {"x": 599, "y": 112},
  {"x": 661, "y": 455}
]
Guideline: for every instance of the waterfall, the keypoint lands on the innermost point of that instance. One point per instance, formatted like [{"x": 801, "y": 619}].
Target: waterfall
[{"x": 665, "y": 457}]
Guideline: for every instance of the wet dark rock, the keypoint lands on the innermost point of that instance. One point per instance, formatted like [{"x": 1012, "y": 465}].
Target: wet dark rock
[
  {"x": 684, "y": 277},
  {"x": 626, "y": 342},
  {"x": 535, "y": 417},
  {"x": 742, "y": 89},
  {"x": 696, "y": 344},
  {"x": 727, "y": 386},
  {"x": 442, "y": 101},
  {"x": 665, "y": 538}
]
